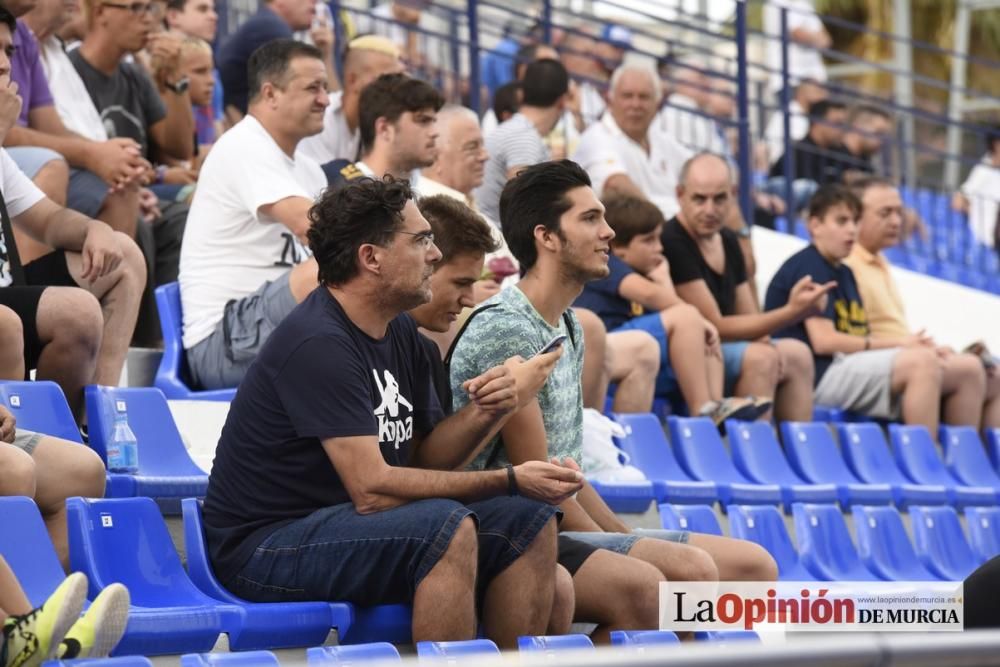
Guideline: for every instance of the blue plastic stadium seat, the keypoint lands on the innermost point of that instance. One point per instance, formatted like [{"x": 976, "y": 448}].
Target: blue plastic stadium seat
[
  {"x": 26, "y": 547},
  {"x": 172, "y": 374},
  {"x": 695, "y": 518},
  {"x": 766, "y": 526},
  {"x": 726, "y": 636},
  {"x": 390, "y": 622},
  {"x": 965, "y": 457},
  {"x": 641, "y": 639},
  {"x": 885, "y": 547},
  {"x": 166, "y": 471},
  {"x": 984, "y": 531},
  {"x": 917, "y": 457},
  {"x": 758, "y": 456},
  {"x": 700, "y": 451},
  {"x": 42, "y": 407},
  {"x": 121, "y": 661},
  {"x": 813, "y": 454},
  {"x": 867, "y": 453},
  {"x": 126, "y": 540},
  {"x": 993, "y": 447},
  {"x": 646, "y": 444},
  {"x": 246, "y": 659},
  {"x": 941, "y": 544},
  {"x": 825, "y": 546},
  {"x": 553, "y": 643},
  {"x": 304, "y": 623},
  {"x": 452, "y": 652},
  {"x": 631, "y": 497},
  {"x": 827, "y": 413},
  {"x": 344, "y": 656}
]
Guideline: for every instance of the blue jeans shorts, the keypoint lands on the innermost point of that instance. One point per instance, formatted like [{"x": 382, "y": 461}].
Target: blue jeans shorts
[
  {"x": 86, "y": 192},
  {"x": 337, "y": 554},
  {"x": 732, "y": 360},
  {"x": 622, "y": 543},
  {"x": 666, "y": 381}
]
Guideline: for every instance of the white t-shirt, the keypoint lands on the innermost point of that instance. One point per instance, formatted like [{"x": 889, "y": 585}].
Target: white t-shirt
[
  {"x": 605, "y": 150},
  {"x": 982, "y": 189},
  {"x": 73, "y": 102},
  {"x": 774, "y": 134},
  {"x": 20, "y": 194},
  {"x": 803, "y": 62},
  {"x": 697, "y": 132},
  {"x": 229, "y": 250},
  {"x": 336, "y": 141}
]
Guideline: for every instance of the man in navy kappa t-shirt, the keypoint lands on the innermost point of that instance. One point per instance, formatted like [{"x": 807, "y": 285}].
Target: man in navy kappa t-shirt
[{"x": 332, "y": 476}]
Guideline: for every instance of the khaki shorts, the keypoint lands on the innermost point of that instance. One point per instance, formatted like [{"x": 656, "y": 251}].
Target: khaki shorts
[
  {"x": 26, "y": 440},
  {"x": 861, "y": 382}
]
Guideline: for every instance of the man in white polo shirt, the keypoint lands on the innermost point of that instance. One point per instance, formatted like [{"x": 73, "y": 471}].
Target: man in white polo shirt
[
  {"x": 625, "y": 153},
  {"x": 244, "y": 265}
]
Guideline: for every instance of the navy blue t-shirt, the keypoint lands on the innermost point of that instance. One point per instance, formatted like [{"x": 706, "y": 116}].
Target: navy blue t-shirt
[
  {"x": 318, "y": 376},
  {"x": 259, "y": 29},
  {"x": 604, "y": 298},
  {"x": 844, "y": 307}
]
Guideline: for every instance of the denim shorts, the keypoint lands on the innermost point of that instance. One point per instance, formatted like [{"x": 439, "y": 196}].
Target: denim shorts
[
  {"x": 666, "y": 381},
  {"x": 622, "y": 543},
  {"x": 732, "y": 359},
  {"x": 337, "y": 554}
]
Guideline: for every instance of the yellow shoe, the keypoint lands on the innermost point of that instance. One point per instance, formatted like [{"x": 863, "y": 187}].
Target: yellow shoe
[
  {"x": 34, "y": 637},
  {"x": 97, "y": 633}
]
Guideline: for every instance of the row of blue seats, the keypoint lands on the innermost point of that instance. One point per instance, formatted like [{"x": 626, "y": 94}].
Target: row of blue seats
[
  {"x": 698, "y": 470},
  {"x": 825, "y": 552}
]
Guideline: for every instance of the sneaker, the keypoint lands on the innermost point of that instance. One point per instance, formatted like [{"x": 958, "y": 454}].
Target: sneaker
[
  {"x": 34, "y": 637},
  {"x": 97, "y": 633},
  {"x": 747, "y": 408}
]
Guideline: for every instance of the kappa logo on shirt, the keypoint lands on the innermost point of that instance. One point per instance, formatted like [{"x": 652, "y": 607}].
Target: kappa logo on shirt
[{"x": 391, "y": 428}]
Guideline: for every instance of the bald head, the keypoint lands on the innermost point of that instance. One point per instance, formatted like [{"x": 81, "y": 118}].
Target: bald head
[
  {"x": 366, "y": 59},
  {"x": 704, "y": 192}
]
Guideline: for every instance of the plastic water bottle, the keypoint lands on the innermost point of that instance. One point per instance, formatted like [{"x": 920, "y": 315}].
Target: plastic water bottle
[{"x": 123, "y": 451}]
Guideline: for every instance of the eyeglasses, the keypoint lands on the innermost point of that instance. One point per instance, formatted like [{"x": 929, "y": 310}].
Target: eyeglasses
[
  {"x": 424, "y": 239},
  {"x": 136, "y": 8}
]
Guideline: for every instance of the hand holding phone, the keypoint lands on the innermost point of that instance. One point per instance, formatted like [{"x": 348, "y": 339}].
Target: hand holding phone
[{"x": 556, "y": 341}]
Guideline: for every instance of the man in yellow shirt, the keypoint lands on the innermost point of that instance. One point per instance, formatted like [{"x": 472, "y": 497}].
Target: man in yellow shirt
[{"x": 970, "y": 394}]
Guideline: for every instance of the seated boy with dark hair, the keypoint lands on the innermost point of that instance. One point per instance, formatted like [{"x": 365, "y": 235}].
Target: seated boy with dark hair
[{"x": 638, "y": 294}]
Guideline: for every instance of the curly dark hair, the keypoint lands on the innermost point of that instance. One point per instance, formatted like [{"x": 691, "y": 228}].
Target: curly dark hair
[
  {"x": 537, "y": 196},
  {"x": 345, "y": 218}
]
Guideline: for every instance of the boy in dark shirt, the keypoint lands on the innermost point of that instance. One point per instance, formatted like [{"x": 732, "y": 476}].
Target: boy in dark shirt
[
  {"x": 879, "y": 377},
  {"x": 638, "y": 294}
]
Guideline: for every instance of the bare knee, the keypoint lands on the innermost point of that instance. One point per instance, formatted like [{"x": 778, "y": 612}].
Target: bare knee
[
  {"x": 965, "y": 371},
  {"x": 646, "y": 353},
  {"x": 680, "y": 315},
  {"x": 464, "y": 544},
  {"x": 761, "y": 360},
  {"x": 53, "y": 180},
  {"x": 917, "y": 364},
  {"x": 74, "y": 318},
  {"x": 796, "y": 359},
  {"x": 133, "y": 266},
  {"x": 639, "y": 598},
  {"x": 18, "y": 478},
  {"x": 697, "y": 565},
  {"x": 563, "y": 603},
  {"x": 752, "y": 562}
]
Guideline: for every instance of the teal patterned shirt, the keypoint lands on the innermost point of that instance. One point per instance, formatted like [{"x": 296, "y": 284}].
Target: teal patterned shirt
[{"x": 513, "y": 327}]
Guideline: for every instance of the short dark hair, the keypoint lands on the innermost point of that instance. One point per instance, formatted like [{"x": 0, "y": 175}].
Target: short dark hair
[
  {"x": 458, "y": 230},
  {"x": 830, "y": 195},
  {"x": 537, "y": 196},
  {"x": 363, "y": 211},
  {"x": 270, "y": 62},
  {"x": 545, "y": 81},
  {"x": 859, "y": 186},
  {"x": 867, "y": 110},
  {"x": 8, "y": 18},
  {"x": 389, "y": 97},
  {"x": 505, "y": 100},
  {"x": 818, "y": 110},
  {"x": 177, "y": 4},
  {"x": 630, "y": 217},
  {"x": 993, "y": 138}
]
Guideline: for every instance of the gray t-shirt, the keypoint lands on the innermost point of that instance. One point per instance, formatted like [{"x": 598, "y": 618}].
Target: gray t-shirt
[
  {"x": 127, "y": 100},
  {"x": 513, "y": 327},
  {"x": 515, "y": 143}
]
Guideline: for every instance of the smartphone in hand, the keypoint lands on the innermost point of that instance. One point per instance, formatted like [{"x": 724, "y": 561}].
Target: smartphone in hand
[{"x": 556, "y": 341}]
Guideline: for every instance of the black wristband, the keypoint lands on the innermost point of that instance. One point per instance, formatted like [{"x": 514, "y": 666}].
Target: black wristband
[{"x": 511, "y": 481}]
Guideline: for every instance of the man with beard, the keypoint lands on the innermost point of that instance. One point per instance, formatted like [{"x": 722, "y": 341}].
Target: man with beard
[
  {"x": 398, "y": 130},
  {"x": 243, "y": 265}
]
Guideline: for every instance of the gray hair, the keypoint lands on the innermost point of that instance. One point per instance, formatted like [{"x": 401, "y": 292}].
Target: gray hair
[
  {"x": 449, "y": 113},
  {"x": 646, "y": 69}
]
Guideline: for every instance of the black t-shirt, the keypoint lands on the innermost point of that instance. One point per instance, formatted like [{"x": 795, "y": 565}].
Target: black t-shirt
[
  {"x": 440, "y": 378},
  {"x": 318, "y": 376},
  {"x": 687, "y": 264},
  {"x": 844, "y": 306},
  {"x": 812, "y": 162}
]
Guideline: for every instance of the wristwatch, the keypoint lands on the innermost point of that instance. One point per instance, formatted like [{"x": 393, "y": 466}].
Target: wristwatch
[{"x": 180, "y": 87}]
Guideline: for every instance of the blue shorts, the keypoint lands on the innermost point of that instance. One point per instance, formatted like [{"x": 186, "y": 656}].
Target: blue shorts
[
  {"x": 666, "y": 381},
  {"x": 622, "y": 543},
  {"x": 337, "y": 554},
  {"x": 86, "y": 192},
  {"x": 732, "y": 359}
]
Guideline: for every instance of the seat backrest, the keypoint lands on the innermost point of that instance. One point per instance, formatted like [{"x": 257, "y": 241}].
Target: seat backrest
[
  {"x": 172, "y": 373},
  {"x": 647, "y": 446},
  {"x": 764, "y": 525},
  {"x": 241, "y": 659},
  {"x": 25, "y": 545},
  {"x": 40, "y": 406},
  {"x": 695, "y": 518},
  {"x": 867, "y": 453},
  {"x": 161, "y": 449},
  {"x": 965, "y": 457},
  {"x": 826, "y": 413},
  {"x": 640, "y": 638},
  {"x": 758, "y": 455},
  {"x": 884, "y": 546},
  {"x": 549, "y": 643},
  {"x": 456, "y": 650},
  {"x": 126, "y": 540},
  {"x": 940, "y": 542},
  {"x": 917, "y": 456},
  {"x": 825, "y": 546},
  {"x": 345, "y": 656},
  {"x": 984, "y": 531},
  {"x": 196, "y": 549},
  {"x": 813, "y": 453},
  {"x": 700, "y": 450},
  {"x": 993, "y": 447}
]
